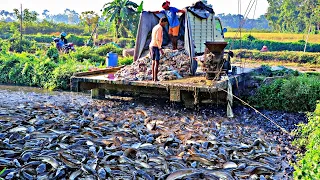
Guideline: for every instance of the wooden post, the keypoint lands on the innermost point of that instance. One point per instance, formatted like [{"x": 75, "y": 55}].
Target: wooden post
[
  {"x": 175, "y": 95},
  {"x": 305, "y": 45},
  {"x": 98, "y": 93}
]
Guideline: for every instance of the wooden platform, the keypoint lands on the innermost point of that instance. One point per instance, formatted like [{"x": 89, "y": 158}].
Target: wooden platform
[{"x": 190, "y": 90}]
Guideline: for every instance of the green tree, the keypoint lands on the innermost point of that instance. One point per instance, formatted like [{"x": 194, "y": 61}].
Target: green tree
[
  {"x": 294, "y": 15},
  {"x": 309, "y": 14},
  {"x": 89, "y": 18},
  {"x": 28, "y": 16},
  {"x": 125, "y": 15},
  {"x": 273, "y": 14}
]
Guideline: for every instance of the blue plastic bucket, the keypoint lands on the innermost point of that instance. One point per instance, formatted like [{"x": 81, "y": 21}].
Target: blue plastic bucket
[{"x": 112, "y": 59}]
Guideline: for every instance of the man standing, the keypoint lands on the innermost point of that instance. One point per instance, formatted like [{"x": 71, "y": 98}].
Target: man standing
[
  {"x": 174, "y": 25},
  {"x": 155, "y": 46}
]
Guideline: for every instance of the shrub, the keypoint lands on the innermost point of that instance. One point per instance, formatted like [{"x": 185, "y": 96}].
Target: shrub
[
  {"x": 125, "y": 61},
  {"x": 308, "y": 139},
  {"x": 43, "y": 72},
  {"x": 25, "y": 45},
  {"x": 43, "y": 38},
  {"x": 27, "y": 74},
  {"x": 31, "y": 70},
  {"x": 53, "y": 53},
  {"x": 62, "y": 74},
  {"x": 249, "y": 37},
  {"x": 126, "y": 42},
  {"x": 293, "y": 94},
  {"x": 4, "y": 45},
  {"x": 17, "y": 69},
  {"x": 104, "y": 50},
  {"x": 5, "y": 67},
  {"x": 87, "y": 54},
  {"x": 77, "y": 40}
]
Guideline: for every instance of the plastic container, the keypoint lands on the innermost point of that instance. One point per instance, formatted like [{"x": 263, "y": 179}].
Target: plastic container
[
  {"x": 234, "y": 70},
  {"x": 112, "y": 59}
]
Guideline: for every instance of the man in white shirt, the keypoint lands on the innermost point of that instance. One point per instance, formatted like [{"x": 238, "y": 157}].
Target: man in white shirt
[{"x": 156, "y": 46}]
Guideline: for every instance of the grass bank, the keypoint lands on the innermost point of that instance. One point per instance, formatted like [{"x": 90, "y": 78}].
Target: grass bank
[
  {"x": 280, "y": 37},
  {"x": 256, "y": 44},
  {"x": 50, "y": 69},
  {"x": 279, "y": 56}
]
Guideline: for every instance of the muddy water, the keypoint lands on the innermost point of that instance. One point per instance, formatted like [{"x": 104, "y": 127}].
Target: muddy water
[{"x": 57, "y": 135}]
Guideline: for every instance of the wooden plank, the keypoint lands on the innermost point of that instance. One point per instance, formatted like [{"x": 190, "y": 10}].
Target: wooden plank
[
  {"x": 136, "y": 89},
  {"x": 100, "y": 71},
  {"x": 91, "y": 83},
  {"x": 162, "y": 88}
]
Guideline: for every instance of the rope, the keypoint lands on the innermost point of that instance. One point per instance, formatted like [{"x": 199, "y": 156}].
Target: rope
[
  {"x": 245, "y": 103},
  {"x": 245, "y": 14},
  {"x": 248, "y": 10},
  {"x": 254, "y": 12},
  {"x": 240, "y": 27},
  {"x": 241, "y": 23}
]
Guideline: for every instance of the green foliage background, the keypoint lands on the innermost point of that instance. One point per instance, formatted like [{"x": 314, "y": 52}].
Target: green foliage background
[{"x": 294, "y": 15}]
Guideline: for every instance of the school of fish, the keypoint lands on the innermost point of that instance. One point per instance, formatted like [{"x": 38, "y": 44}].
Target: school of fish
[{"x": 70, "y": 136}]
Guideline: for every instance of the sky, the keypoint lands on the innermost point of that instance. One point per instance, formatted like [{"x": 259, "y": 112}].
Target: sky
[{"x": 58, "y": 6}]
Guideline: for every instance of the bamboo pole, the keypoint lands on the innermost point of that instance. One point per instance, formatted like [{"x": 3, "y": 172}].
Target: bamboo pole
[{"x": 21, "y": 26}]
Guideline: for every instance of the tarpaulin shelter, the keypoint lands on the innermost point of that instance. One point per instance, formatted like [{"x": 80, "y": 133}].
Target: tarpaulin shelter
[{"x": 197, "y": 26}]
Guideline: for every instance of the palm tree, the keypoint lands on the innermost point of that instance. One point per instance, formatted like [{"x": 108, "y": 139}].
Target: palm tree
[{"x": 122, "y": 12}]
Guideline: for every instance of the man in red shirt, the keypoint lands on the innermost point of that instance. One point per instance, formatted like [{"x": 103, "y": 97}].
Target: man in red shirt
[{"x": 174, "y": 24}]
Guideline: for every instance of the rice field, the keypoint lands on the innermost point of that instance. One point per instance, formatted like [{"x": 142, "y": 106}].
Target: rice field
[{"x": 282, "y": 37}]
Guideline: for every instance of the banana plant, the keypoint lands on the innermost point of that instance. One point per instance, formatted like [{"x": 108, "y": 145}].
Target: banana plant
[{"x": 123, "y": 13}]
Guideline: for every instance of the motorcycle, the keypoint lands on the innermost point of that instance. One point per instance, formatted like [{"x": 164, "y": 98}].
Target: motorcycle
[{"x": 65, "y": 48}]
